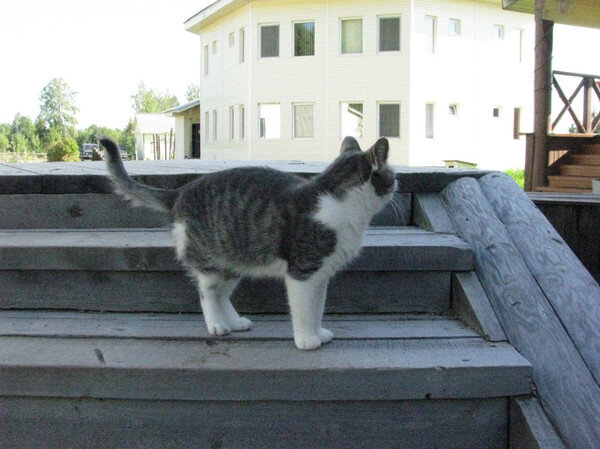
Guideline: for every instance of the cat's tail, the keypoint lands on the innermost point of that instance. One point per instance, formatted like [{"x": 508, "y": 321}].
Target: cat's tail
[{"x": 141, "y": 195}]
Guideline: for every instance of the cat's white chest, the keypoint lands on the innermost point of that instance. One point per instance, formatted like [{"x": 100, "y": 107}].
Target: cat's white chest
[{"x": 349, "y": 218}]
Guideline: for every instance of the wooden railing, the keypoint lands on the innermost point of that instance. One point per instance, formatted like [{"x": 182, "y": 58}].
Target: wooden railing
[{"x": 589, "y": 85}]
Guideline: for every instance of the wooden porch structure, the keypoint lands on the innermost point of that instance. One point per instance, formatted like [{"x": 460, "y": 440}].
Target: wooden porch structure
[{"x": 561, "y": 162}]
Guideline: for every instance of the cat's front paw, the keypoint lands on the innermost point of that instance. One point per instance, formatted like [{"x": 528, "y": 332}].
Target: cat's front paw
[
  {"x": 325, "y": 335},
  {"x": 308, "y": 343},
  {"x": 218, "y": 329},
  {"x": 241, "y": 324}
]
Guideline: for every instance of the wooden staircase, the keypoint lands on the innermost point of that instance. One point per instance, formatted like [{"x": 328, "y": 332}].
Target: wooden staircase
[
  {"x": 102, "y": 346},
  {"x": 574, "y": 172}
]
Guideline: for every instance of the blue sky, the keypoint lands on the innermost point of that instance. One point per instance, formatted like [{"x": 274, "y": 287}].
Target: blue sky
[{"x": 104, "y": 49}]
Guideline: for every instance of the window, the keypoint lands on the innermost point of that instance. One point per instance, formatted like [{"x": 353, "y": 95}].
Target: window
[
  {"x": 214, "y": 47},
  {"x": 214, "y": 125},
  {"x": 231, "y": 123},
  {"x": 352, "y": 36},
  {"x": 242, "y": 45},
  {"x": 304, "y": 123},
  {"x": 496, "y": 112},
  {"x": 429, "y": 116},
  {"x": 351, "y": 120},
  {"x": 304, "y": 39},
  {"x": 389, "y": 34},
  {"x": 231, "y": 39},
  {"x": 269, "y": 41},
  {"x": 520, "y": 43},
  {"x": 499, "y": 32},
  {"x": 242, "y": 122},
  {"x": 454, "y": 27},
  {"x": 453, "y": 110},
  {"x": 430, "y": 33},
  {"x": 206, "y": 126},
  {"x": 206, "y": 60},
  {"x": 389, "y": 120},
  {"x": 269, "y": 121}
]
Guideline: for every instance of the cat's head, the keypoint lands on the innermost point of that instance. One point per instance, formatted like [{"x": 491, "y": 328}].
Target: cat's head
[{"x": 365, "y": 170}]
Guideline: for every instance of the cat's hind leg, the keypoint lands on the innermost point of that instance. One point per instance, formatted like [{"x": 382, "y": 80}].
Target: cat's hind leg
[{"x": 219, "y": 314}]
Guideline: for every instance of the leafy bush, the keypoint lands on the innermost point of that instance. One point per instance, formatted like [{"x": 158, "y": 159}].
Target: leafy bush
[
  {"x": 518, "y": 175},
  {"x": 64, "y": 151}
]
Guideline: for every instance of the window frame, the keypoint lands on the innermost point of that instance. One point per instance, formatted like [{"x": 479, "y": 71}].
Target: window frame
[
  {"x": 341, "y": 36},
  {"x": 264, "y": 137},
  {"x": 260, "y": 42},
  {"x": 431, "y": 48},
  {"x": 242, "y": 121},
  {"x": 215, "y": 125},
  {"x": 231, "y": 123},
  {"x": 389, "y": 103},
  {"x": 399, "y": 18},
  {"x": 458, "y": 23},
  {"x": 299, "y": 22},
  {"x": 294, "y": 136},
  {"x": 242, "y": 45},
  {"x": 342, "y": 133},
  {"x": 430, "y": 120}
]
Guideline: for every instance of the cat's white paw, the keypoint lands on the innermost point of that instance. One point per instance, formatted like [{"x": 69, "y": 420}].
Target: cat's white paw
[
  {"x": 218, "y": 329},
  {"x": 325, "y": 335},
  {"x": 308, "y": 343},
  {"x": 241, "y": 324}
]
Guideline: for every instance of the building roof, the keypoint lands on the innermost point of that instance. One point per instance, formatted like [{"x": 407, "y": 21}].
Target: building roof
[
  {"x": 567, "y": 12},
  {"x": 182, "y": 108},
  {"x": 212, "y": 12},
  {"x": 153, "y": 123}
]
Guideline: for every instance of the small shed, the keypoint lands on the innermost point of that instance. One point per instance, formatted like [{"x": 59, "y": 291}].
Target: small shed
[
  {"x": 187, "y": 129},
  {"x": 154, "y": 137}
]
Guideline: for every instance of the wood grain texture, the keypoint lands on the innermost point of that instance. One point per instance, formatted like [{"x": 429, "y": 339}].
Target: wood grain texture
[
  {"x": 570, "y": 288},
  {"x": 529, "y": 426},
  {"x": 192, "y": 327},
  {"x": 108, "y": 424},
  {"x": 471, "y": 304},
  {"x": 429, "y": 213},
  {"x": 568, "y": 390},
  {"x": 215, "y": 370},
  {"x": 173, "y": 291}
]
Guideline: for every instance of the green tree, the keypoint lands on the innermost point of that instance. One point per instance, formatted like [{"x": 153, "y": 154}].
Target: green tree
[
  {"x": 64, "y": 150},
  {"x": 22, "y": 125},
  {"x": 57, "y": 110},
  {"x": 146, "y": 100},
  {"x": 4, "y": 142},
  {"x": 18, "y": 143},
  {"x": 128, "y": 139},
  {"x": 193, "y": 92}
]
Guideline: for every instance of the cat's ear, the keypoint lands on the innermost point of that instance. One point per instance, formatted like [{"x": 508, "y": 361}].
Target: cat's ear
[
  {"x": 377, "y": 155},
  {"x": 349, "y": 144}
]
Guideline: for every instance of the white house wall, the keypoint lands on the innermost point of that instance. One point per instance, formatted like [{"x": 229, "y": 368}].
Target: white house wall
[{"x": 470, "y": 70}]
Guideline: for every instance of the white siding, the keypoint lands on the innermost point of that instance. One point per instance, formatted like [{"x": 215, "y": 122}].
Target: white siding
[{"x": 471, "y": 70}]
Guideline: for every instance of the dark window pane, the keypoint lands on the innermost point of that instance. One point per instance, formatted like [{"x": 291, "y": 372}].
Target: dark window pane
[
  {"x": 389, "y": 120},
  {"x": 269, "y": 41},
  {"x": 389, "y": 34},
  {"x": 304, "y": 39}
]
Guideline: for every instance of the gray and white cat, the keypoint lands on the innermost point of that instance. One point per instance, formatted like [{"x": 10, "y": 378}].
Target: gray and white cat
[{"x": 261, "y": 222}]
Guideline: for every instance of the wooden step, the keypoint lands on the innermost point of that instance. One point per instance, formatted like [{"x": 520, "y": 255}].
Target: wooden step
[
  {"x": 590, "y": 171},
  {"x": 156, "y": 381},
  {"x": 400, "y": 270},
  {"x": 585, "y": 159},
  {"x": 566, "y": 190},
  {"x": 572, "y": 182}
]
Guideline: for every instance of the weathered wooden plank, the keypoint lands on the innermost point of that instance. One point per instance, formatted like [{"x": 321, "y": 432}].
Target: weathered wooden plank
[
  {"x": 429, "y": 213},
  {"x": 108, "y": 424},
  {"x": 568, "y": 390},
  {"x": 173, "y": 291},
  {"x": 471, "y": 304},
  {"x": 569, "y": 287},
  {"x": 170, "y": 326},
  {"x": 260, "y": 370},
  {"x": 152, "y": 249},
  {"x": 74, "y": 211},
  {"x": 530, "y": 428}
]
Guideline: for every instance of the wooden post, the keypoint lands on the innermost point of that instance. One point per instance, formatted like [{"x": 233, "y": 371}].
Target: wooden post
[
  {"x": 587, "y": 104},
  {"x": 529, "y": 148},
  {"x": 569, "y": 392},
  {"x": 569, "y": 287},
  {"x": 542, "y": 96}
]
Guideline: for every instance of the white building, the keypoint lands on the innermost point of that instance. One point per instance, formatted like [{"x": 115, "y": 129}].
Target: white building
[
  {"x": 442, "y": 79},
  {"x": 154, "y": 136}
]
